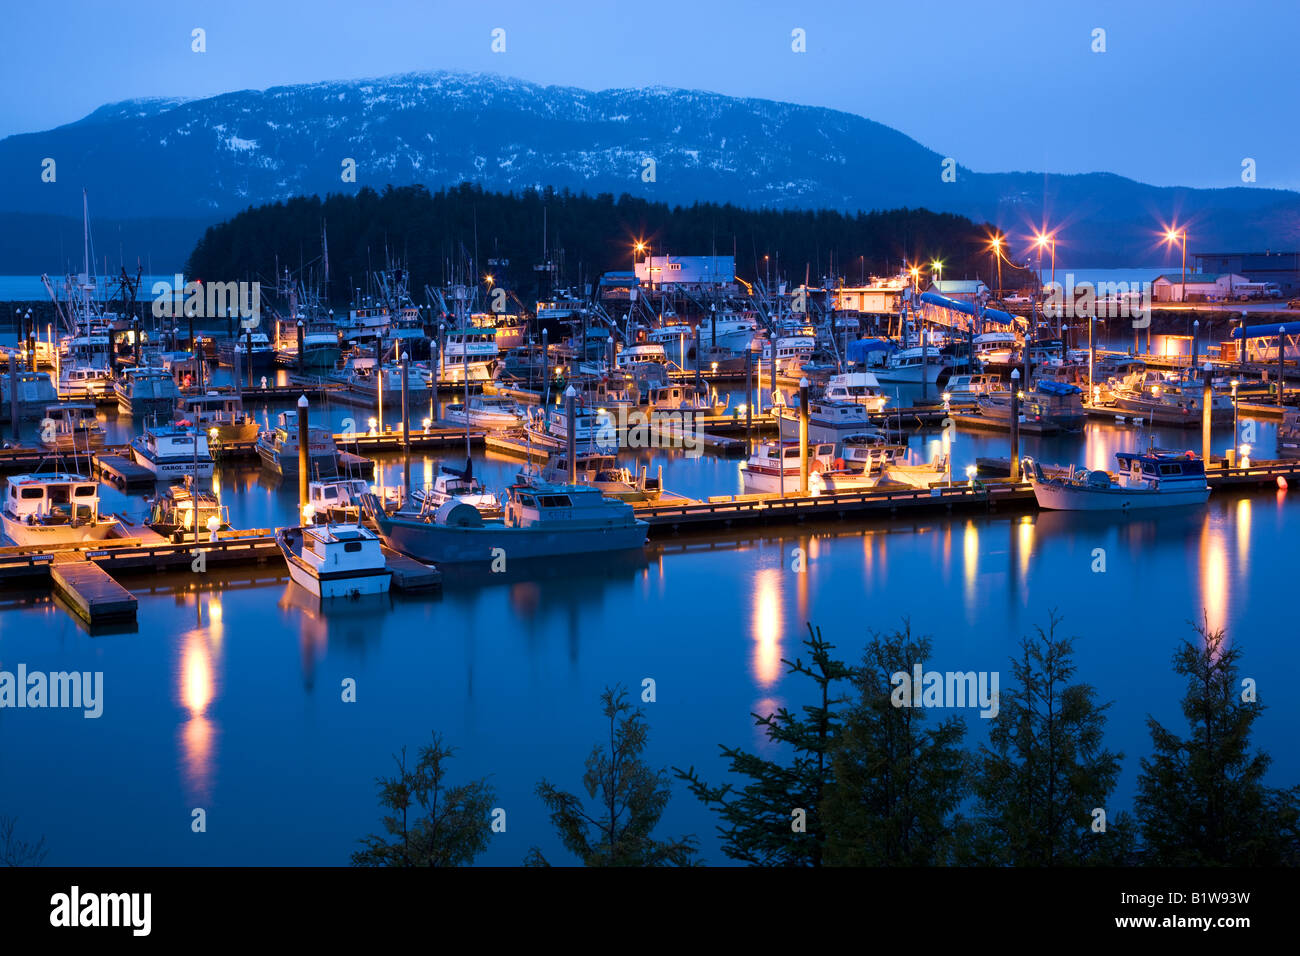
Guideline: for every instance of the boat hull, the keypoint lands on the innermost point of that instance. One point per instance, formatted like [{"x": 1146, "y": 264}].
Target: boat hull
[
  {"x": 438, "y": 544},
  {"x": 1064, "y": 497},
  {"x": 328, "y": 587},
  {"x": 29, "y": 534}
]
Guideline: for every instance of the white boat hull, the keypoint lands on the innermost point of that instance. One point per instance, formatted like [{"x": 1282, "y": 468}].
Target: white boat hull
[
  {"x": 1061, "y": 497},
  {"x": 28, "y": 534},
  {"x": 344, "y": 587},
  {"x": 908, "y": 375}
]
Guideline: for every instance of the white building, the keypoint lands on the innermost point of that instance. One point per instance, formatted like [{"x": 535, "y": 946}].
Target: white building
[{"x": 1200, "y": 287}]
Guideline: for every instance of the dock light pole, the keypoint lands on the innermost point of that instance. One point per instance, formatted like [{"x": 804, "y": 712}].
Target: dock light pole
[
  {"x": 435, "y": 396},
  {"x": 406, "y": 423},
  {"x": 1196, "y": 342},
  {"x": 303, "y": 447},
  {"x": 1207, "y": 400},
  {"x": 697, "y": 357},
  {"x": 545, "y": 388},
  {"x": 803, "y": 438},
  {"x": 713, "y": 326},
  {"x": 31, "y": 342},
  {"x": 571, "y": 429},
  {"x": 1092, "y": 358},
  {"x": 1015, "y": 424},
  {"x": 442, "y": 349},
  {"x": 301, "y": 347},
  {"x": 1234, "y": 413},
  {"x": 1171, "y": 236}
]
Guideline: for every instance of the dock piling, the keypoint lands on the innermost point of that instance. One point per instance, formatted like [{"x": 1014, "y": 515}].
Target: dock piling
[
  {"x": 303, "y": 449},
  {"x": 1207, "y": 402},
  {"x": 1015, "y": 424},
  {"x": 572, "y": 433},
  {"x": 803, "y": 438}
]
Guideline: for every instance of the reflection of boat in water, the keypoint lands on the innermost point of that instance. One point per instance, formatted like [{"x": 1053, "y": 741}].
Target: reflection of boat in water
[{"x": 1151, "y": 480}]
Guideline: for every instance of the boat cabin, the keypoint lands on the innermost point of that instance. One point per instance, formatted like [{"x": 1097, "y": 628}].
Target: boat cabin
[{"x": 52, "y": 499}]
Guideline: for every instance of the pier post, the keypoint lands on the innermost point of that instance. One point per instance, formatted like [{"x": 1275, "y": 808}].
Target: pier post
[
  {"x": 697, "y": 357},
  {"x": 237, "y": 367},
  {"x": 190, "y": 315},
  {"x": 925, "y": 361},
  {"x": 1207, "y": 400},
  {"x": 1281, "y": 366},
  {"x": 1015, "y": 424},
  {"x": 442, "y": 351},
  {"x": 303, "y": 459},
  {"x": 545, "y": 388},
  {"x": 1196, "y": 342},
  {"x": 435, "y": 399},
  {"x": 301, "y": 347},
  {"x": 713, "y": 328},
  {"x": 571, "y": 418},
  {"x": 406, "y": 423},
  {"x": 1092, "y": 358},
  {"x": 248, "y": 354},
  {"x": 13, "y": 393},
  {"x": 803, "y": 438},
  {"x": 749, "y": 395}
]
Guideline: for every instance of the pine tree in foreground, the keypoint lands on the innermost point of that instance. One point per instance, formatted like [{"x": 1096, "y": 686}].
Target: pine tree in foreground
[
  {"x": 1045, "y": 773},
  {"x": 429, "y": 823},
  {"x": 777, "y": 818},
  {"x": 1202, "y": 800},
  {"x": 630, "y": 798},
  {"x": 897, "y": 783}
]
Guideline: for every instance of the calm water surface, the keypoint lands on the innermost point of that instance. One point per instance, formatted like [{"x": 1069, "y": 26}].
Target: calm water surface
[{"x": 227, "y": 696}]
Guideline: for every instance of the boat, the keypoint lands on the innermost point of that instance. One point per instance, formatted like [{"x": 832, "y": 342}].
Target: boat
[
  {"x": 1048, "y": 404},
  {"x": 147, "y": 393},
  {"x": 995, "y": 348},
  {"x": 541, "y": 520},
  {"x": 173, "y": 451},
  {"x": 364, "y": 378},
  {"x": 251, "y": 350},
  {"x": 602, "y": 472},
  {"x": 970, "y": 388},
  {"x": 71, "y": 427},
  {"x": 278, "y": 448},
  {"x": 335, "y": 560},
  {"x": 469, "y": 353},
  {"x": 727, "y": 330},
  {"x": 912, "y": 366},
  {"x": 1169, "y": 400},
  {"x": 909, "y": 470},
  {"x": 90, "y": 382},
  {"x": 485, "y": 411},
  {"x": 219, "y": 415},
  {"x": 593, "y": 430},
  {"x": 457, "y": 484},
  {"x": 54, "y": 509},
  {"x": 789, "y": 353},
  {"x": 1152, "y": 480},
  {"x": 773, "y": 468},
  {"x": 34, "y": 393},
  {"x": 644, "y": 353},
  {"x": 862, "y": 388},
  {"x": 828, "y": 421},
  {"x": 172, "y": 513},
  {"x": 336, "y": 499}
]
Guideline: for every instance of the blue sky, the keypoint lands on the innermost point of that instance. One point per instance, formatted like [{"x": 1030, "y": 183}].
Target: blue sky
[{"x": 1184, "y": 92}]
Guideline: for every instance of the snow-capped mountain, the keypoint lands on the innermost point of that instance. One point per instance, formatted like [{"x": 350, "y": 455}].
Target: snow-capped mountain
[{"x": 206, "y": 158}]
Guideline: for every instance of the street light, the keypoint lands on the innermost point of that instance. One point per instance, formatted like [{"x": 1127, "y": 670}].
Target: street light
[
  {"x": 1180, "y": 235},
  {"x": 1047, "y": 240},
  {"x": 915, "y": 276},
  {"x": 996, "y": 245}
]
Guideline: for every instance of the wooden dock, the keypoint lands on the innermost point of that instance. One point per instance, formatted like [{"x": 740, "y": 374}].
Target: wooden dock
[
  {"x": 123, "y": 473},
  {"x": 90, "y": 591},
  {"x": 410, "y": 575}
]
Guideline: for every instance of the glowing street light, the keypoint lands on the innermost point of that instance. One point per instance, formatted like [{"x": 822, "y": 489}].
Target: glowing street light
[
  {"x": 1173, "y": 235},
  {"x": 996, "y": 245},
  {"x": 1044, "y": 241}
]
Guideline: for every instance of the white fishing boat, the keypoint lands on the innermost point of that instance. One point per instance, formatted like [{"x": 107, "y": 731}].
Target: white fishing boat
[
  {"x": 789, "y": 352},
  {"x": 252, "y": 350},
  {"x": 337, "y": 499},
  {"x": 773, "y": 468},
  {"x": 177, "y": 511},
  {"x": 912, "y": 366},
  {"x": 278, "y": 449},
  {"x": 34, "y": 393},
  {"x": 173, "y": 451},
  {"x": 862, "y": 388},
  {"x": 54, "y": 509},
  {"x": 469, "y": 353},
  {"x": 219, "y": 415},
  {"x": 602, "y": 472},
  {"x": 335, "y": 560},
  {"x": 733, "y": 332},
  {"x": 85, "y": 381},
  {"x": 645, "y": 353},
  {"x": 594, "y": 429},
  {"x": 1151, "y": 480},
  {"x": 996, "y": 347},
  {"x": 828, "y": 421},
  {"x": 969, "y": 388},
  {"x": 910, "y": 470},
  {"x": 492, "y": 412}
]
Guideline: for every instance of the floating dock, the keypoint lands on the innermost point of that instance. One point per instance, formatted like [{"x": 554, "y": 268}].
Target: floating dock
[{"x": 90, "y": 591}]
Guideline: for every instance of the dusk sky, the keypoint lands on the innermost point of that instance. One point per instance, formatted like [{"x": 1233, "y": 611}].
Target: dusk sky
[{"x": 1183, "y": 93}]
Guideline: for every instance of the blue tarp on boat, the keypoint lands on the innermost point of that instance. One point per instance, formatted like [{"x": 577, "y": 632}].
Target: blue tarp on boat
[
  {"x": 1048, "y": 387},
  {"x": 858, "y": 350},
  {"x": 965, "y": 308}
]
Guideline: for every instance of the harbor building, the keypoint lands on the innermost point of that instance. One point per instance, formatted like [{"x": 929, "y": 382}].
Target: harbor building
[
  {"x": 703, "y": 273},
  {"x": 1279, "y": 268},
  {"x": 1198, "y": 287}
]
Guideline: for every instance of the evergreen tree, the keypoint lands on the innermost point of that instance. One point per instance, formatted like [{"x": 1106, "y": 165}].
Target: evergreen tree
[
  {"x": 1045, "y": 769},
  {"x": 897, "y": 783},
  {"x": 777, "y": 818},
  {"x": 1201, "y": 799},
  {"x": 450, "y": 826},
  {"x": 630, "y": 799},
  {"x": 18, "y": 852}
]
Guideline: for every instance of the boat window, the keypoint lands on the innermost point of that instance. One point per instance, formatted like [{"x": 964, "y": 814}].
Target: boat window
[
  {"x": 1171, "y": 470},
  {"x": 555, "y": 501},
  {"x": 329, "y": 493},
  {"x": 31, "y": 493},
  {"x": 352, "y": 546},
  {"x": 84, "y": 491},
  {"x": 528, "y": 501}
]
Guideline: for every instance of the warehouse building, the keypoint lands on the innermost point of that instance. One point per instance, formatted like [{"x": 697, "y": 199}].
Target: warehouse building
[{"x": 1280, "y": 268}]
